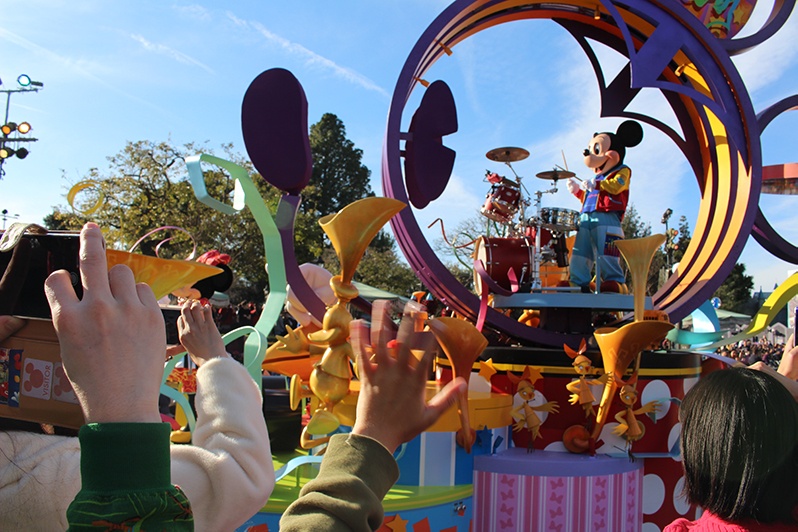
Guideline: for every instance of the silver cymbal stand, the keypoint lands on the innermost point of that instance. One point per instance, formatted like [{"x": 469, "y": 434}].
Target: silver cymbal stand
[{"x": 536, "y": 282}]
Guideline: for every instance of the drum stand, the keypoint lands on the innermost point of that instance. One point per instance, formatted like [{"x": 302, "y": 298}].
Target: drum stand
[{"x": 536, "y": 282}]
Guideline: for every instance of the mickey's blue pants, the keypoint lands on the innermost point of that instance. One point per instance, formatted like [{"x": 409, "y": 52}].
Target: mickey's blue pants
[{"x": 598, "y": 231}]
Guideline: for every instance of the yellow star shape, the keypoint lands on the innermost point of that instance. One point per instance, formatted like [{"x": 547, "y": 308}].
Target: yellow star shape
[
  {"x": 531, "y": 374},
  {"x": 398, "y": 524},
  {"x": 487, "y": 369}
]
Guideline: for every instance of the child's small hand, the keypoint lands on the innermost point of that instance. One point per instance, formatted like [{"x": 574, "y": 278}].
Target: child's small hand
[
  {"x": 198, "y": 333},
  {"x": 789, "y": 359},
  {"x": 392, "y": 406}
]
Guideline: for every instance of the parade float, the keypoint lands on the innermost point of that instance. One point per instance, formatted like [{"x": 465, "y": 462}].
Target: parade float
[{"x": 568, "y": 424}]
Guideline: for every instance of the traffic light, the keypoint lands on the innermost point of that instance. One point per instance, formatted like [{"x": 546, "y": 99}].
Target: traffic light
[
  {"x": 23, "y": 129},
  {"x": 6, "y": 152}
]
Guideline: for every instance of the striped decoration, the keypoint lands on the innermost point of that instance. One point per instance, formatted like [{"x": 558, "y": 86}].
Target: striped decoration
[{"x": 606, "y": 503}]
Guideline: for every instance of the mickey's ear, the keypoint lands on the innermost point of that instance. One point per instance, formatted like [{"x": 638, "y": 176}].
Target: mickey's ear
[
  {"x": 218, "y": 283},
  {"x": 224, "y": 280},
  {"x": 630, "y": 133}
]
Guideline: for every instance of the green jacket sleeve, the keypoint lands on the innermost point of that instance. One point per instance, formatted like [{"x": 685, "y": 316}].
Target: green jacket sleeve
[
  {"x": 347, "y": 494},
  {"x": 125, "y": 480}
]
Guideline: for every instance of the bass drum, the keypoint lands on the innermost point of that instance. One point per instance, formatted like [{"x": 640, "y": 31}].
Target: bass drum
[{"x": 498, "y": 255}]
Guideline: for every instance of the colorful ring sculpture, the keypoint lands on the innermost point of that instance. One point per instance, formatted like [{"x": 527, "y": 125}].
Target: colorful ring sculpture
[{"x": 669, "y": 49}]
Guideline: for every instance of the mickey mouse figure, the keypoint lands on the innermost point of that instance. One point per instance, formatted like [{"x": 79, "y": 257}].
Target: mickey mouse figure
[{"x": 604, "y": 198}]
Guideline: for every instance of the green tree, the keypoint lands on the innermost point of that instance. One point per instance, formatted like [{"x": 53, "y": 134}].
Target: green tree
[
  {"x": 339, "y": 178},
  {"x": 145, "y": 187},
  {"x": 683, "y": 239},
  {"x": 735, "y": 292}
]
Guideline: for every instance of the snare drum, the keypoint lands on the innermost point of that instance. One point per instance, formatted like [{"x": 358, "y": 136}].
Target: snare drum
[
  {"x": 498, "y": 255},
  {"x": 502, "y": 202},
  {"x": 558, "y": 219}
]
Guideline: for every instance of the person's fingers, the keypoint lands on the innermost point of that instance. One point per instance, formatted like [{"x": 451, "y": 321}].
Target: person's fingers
[
  {"x": 444, "y": 399},
  {"x": 358, "y": 334},
  {"x": 59, "y": 291},
  {"x": 403, "y": 353},
  {"x": 181, "y": 324},
  {"x": 9, "y": 325},
  {"x": 207, "y": 313},
  {"x": 186, "y": 315},
  {"x": 146, "y": 296},
  {"x": 425, "y": 364},
  {"x": 93, "y": 264},
  {"x": 380, "y": 330},
  {"x": 123, "y": 284}
]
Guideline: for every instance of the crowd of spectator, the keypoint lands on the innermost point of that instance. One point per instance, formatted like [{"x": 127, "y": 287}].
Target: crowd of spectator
[{"x": 752, "y": 350}]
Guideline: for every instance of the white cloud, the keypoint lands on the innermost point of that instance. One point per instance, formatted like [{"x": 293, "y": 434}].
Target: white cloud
[
  {"x": 82, "y": 68},
  {"x": 194, "y": 11},
  {"x": 310, "y": 57},
  {"x": 162, "y": 49}
]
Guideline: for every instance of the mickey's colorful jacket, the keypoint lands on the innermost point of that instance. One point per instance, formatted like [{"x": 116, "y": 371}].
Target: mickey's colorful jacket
[{"x": 611, "y": 193}]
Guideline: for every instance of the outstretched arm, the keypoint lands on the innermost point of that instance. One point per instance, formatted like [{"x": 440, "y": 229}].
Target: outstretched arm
[
  {"x": 112, "y": 345},
  {"x": 358, "y": 469},
  {"x": 227, "y": 472}
]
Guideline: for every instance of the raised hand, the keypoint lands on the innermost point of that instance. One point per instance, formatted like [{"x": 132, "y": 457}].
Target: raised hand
[
  {"x": 392, "y": 406},
  {"x": 198, "y": 333},
  {"x": 113, "y": 340}
]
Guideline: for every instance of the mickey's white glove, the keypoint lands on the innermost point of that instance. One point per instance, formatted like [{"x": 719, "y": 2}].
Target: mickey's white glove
[
  {"x": 573, "y": 185},
  {"x": 590, "y": 184}
]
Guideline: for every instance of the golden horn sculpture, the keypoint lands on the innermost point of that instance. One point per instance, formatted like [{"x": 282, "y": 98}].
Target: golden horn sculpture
[
  {"x": 462, "y": 343},
  {"x": 620, "y": 346},
  {"x": 352, "y": 228},
  {"x": 638, "y": 253}
]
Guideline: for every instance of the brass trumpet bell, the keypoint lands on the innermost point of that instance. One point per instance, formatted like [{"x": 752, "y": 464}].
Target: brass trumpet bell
[
  {"x": 352, "y": 228},
  {"x": 619, "y": 347},
  {"x": 638, "y": 253},
  {"x": 462, "y": 343}
]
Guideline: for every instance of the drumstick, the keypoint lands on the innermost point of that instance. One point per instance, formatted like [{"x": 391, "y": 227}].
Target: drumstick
[
  {"x": 563, "y": 169},
  {"x": 566, "y": 165}
]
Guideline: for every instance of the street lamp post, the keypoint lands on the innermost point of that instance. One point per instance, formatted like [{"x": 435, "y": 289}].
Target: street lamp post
[
  {"x": 7, "y": 216},
  {"x": 668, "y": 239},
  {"x": 13, "y": 134}
]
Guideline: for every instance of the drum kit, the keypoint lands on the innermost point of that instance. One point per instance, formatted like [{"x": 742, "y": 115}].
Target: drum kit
[{"x": 524, "y": 242}]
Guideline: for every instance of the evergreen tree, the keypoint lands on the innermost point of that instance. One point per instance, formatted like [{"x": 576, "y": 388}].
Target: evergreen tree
[{"x": 735, "y": 292}]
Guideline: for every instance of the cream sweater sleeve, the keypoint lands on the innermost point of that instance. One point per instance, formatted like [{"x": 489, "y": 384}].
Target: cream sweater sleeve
[
  {"x": 227, "y": 474},
  {"x": 39, "y": 477}
]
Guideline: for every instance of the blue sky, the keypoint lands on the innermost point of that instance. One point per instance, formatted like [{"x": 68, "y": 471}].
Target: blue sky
[{"x": 126, "y": 71}]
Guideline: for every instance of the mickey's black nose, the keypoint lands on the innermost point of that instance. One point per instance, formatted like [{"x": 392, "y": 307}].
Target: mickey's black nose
[{"x": 586, "y": 152}]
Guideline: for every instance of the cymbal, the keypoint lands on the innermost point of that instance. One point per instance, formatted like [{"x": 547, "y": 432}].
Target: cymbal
[
  {"x": 507, "y": 155},
  {"x": 554, "y": 175}
]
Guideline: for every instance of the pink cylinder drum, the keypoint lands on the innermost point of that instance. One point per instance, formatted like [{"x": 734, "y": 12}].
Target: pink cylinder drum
[
  {"x": 543, "y": 490},
  {"x": 664, "y": 377}
]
